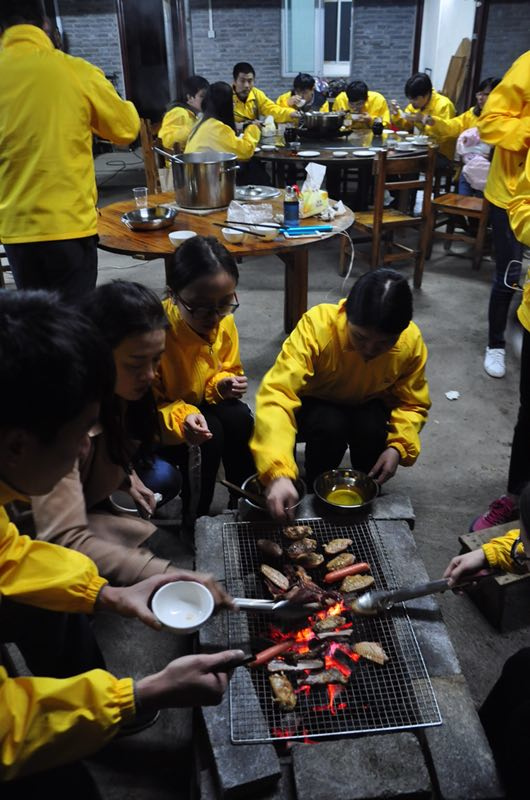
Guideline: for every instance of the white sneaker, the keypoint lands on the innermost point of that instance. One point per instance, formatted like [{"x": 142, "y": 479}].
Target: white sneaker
[{"x": 494, "y": 362}]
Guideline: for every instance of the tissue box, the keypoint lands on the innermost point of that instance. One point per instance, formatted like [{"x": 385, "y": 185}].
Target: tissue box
[{"x": 312, "y": 201}]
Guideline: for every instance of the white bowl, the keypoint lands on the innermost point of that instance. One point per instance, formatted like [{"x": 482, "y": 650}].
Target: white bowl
[
  {"x": 234, "y": 237},
  {"x": 339, "y": 153},
  {"x": 177, "y": 237},
  {"x": 268, "y": 233},
  {"x": 402, "y": 133},
  {"x": 404, "y": 146},
  {"x": 182, "y": 606}
]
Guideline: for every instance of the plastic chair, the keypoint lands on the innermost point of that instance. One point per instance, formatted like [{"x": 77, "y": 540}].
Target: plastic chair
[{"x": 408, "y": 173}]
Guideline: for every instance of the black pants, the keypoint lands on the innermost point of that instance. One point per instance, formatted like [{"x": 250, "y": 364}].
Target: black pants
[
  {"x": 507, "y": 249},
  {"x": 505, "y": 715},
  {"x": 69, "y": 267},
  {"x": 231, "y": 424},
  {"x": 519, "y": 473},
  {"x": 328, "y": 429}
]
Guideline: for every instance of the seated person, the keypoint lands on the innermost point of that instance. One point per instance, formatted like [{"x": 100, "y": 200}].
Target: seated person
[
  {"x": 182, "y": 116},
  {"x": 217, "y": 131},
  {"x": 349, "y": 375},
  {"x": 251, "y": 103},
  {"x": 200, "y": 381},
  {"x": 57, "y": 369},
  {"x": 365, "y": 105},
  {"x": 504, "y": 713},
  {"x": 303, "y": 95},
  {"x": 443, "y": 128},
  {"x": 76, "y": 513},
  {"x": 425, "y": 102}
]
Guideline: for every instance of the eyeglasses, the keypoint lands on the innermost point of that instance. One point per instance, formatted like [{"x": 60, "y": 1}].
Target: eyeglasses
[
  {"x": 517, "y": 555},
  {"x": 205, "y": 312}
]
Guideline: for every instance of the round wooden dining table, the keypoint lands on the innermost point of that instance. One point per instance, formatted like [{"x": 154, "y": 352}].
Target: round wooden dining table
[{"x": 116, "y": 237}]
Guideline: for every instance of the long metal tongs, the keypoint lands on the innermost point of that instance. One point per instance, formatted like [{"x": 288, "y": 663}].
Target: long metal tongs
[
  {"x": 372, "y": 602},
  {"x": 283, "y": 608}
]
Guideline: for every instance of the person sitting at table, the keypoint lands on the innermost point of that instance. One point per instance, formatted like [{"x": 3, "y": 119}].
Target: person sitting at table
[
  {"x": 217, "y": 131},
  {"x": 365, "y": 105},
  {"x": 303, "y": 95},
  {"x": 349, "y": 375},
  {"x": 250, "y": 103},
  {"x": 182, "y": 116},
  {"x": 200, "y": 382},
  {"x": 425, "y": 102}
]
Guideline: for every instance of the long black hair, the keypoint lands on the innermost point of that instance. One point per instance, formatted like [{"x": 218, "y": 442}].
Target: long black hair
[
  {"x": 217, "y": 104},
  {"x": 380, "y": 299},
  {"x": 196, "y": 258},
  {"x": 118, "y": 310},
  {"x": 487, "y": 83}
]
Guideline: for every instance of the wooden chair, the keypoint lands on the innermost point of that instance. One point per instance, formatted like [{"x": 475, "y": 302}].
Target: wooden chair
[
  {"x": 148, "y": 138},
  {"x": 409, "y": 173},
  {"x": 459, "y": 205}
]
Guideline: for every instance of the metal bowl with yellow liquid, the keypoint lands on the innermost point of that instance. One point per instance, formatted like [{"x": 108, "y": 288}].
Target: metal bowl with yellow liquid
[{"x": 345, "y": 489}]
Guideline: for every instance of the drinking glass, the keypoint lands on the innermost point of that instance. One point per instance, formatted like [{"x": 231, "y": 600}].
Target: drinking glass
[{"x": 140, "y": 196}]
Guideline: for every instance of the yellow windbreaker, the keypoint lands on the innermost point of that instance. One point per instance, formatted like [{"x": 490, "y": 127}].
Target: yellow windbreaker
[
  {"x": 438, "y": 106},
  {"x": 318, "y": 360},
  {"x": 190, "y": 370},
  {"x": 497, "y": 551},
  {"x": 50, "y": 105},
  {"x": 284, "y": 98},
  {"x": 259, "y": 105},
  {"x": 376, "y": 106},
  {"x": 45, "y": 722},
  {"x": 214, "y": 135},
  {"x": 452, "y": 128},
  {"x": 176, "y": 126},
  {"x": 505, "y": 123},
  {"x": 519, "y": 208}
]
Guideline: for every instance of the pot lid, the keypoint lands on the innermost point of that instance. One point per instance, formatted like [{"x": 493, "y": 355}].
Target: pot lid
[{"x": 251, "y": 192}]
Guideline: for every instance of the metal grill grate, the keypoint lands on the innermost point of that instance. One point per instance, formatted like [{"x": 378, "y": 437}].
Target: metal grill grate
[{"x": 395, "y": 696}]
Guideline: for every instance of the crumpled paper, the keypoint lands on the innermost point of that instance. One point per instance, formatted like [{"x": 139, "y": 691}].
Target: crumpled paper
[
  {"x": 452, "y": 395},
  {"x": 331, "y": 212},
  {"x": 269, "y": 126}
]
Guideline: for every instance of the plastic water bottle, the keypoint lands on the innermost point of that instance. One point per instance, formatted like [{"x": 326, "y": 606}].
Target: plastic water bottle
[{"x": 291, "y": 207}]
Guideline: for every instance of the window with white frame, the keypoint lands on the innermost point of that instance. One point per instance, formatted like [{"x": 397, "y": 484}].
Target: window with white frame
[{"x": 316, "y": 37}]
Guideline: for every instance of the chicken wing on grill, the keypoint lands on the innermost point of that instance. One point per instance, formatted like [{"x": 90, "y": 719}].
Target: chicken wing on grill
[{"x": 282, "y": 690}]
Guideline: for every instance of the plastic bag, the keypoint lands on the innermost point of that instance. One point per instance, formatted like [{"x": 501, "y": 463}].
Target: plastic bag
[{"x": 249, "y": 213}]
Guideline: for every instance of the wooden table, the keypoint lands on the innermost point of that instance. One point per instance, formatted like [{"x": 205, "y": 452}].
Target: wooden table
[{"x": 116, "y": 237}]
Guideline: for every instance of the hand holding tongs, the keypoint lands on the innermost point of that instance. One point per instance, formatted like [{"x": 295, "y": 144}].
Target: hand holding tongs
[{"x": 372, "y": 602}]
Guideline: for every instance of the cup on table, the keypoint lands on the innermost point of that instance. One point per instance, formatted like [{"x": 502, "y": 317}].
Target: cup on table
[{"x": 140, "y": 196}]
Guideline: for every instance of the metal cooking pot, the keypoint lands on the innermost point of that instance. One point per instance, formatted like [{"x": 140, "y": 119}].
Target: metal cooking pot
[
  {"x": 204, "y": 179},
  {"x": 322, "y": 122}
]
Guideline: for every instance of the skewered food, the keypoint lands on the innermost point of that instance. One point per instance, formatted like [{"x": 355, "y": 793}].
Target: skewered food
[
  {"x": 353, "y": 583},
  {"x": 339, "y": 574},
  {"x": 343, "y": 560},
  {"x": 326, "y": 676},
  {"x": 311, "y": 560},
  {"x": 329, "y": 623},
  {"x": 302, "y": 546},
  {"x": 277, "y": 665},
  {"x": 297, "y": 531},
  {"x": 269, "y": 548},
  {"x": 337, "y": 546},
  {"x": 372, "y": 651},
  {"x": 271, "y": 652},
  {"x": 276, "y": 577},
  {"x": 283, "y": 691}
]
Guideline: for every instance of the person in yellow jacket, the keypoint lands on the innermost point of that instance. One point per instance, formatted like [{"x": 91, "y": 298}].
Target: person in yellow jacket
[
  {"x": 505, "y": 124},
  {"x": 452, "y": 128},
  {"x": 303, "y": 95},
  {"x": 425, "y": 102},
  {"x": 216, "y": 129},
  {"x": 54, "y": 371},
  {"x": 200, "y": 381},
  {"x": 363, "y": 106},
  {"x": 182, "y": 116},
  {"x": 51, "y": 104},
  {"x": 349, "y": 375},
  {"x": 504, "y": 713},
  {"x": 250, "y": 103}
]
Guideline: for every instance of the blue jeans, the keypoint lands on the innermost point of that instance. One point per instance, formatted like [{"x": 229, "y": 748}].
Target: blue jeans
[
  {"x": 465, "y": 188},
  {"x": 507, "y": 250},
  {"x": 160, "y": 476}
]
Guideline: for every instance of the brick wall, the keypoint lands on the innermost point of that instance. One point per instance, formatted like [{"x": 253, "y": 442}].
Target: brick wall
[
  {"x": 91, "y": 29},
  {"x": 506, "y": 37}
]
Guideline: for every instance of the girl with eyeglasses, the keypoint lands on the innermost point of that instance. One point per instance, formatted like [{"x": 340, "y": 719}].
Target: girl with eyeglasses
[
  {"x": 505, "y": 712},
  {"x": 200, "y": 381}
]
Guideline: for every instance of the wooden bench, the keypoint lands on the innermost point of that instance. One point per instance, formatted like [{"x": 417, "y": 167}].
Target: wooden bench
[{"x": 490, "y": 593}]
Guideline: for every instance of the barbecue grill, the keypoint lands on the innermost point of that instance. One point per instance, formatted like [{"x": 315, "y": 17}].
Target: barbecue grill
[{"x": 395, "y": 696}]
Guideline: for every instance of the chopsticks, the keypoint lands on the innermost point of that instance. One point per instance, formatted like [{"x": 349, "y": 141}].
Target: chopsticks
[
  {"x": 240, "y": 230},
  {"x": 257, "y": 224}
]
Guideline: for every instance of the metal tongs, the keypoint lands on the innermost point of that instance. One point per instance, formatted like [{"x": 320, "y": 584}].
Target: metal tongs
[
  {"x": 373, "y": 602},
  {"x": 284, "y": 608}
]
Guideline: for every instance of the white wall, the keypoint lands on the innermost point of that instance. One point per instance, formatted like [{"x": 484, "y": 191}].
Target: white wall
[{"x": 445, "y": 24}]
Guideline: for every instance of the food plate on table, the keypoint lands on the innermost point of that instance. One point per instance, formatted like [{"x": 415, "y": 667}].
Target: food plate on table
[
  {"x": 309, "y": 153},
  {"x": 268, "y": 147},
  {"x": 363, "y": 152}
]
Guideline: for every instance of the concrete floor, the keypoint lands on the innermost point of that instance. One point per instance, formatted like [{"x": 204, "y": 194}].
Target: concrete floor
[{"x": 462, "y": 467}]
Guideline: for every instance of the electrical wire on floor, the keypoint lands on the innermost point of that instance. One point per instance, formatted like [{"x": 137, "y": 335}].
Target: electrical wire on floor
[
  {"x": 121, "y": 164},
  {"x": 343, "y": 291}
]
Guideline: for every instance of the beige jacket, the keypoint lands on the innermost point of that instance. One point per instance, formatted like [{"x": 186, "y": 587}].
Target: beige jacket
[{"x": 66, "y": 516}]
